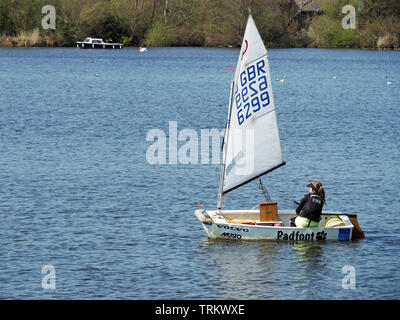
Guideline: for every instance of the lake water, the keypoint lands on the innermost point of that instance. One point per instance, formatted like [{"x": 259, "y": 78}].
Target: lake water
[{"x": 77, "y": 192}]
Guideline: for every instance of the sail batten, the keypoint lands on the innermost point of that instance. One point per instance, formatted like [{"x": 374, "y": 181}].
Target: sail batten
[{"x": 253, "y": 145}]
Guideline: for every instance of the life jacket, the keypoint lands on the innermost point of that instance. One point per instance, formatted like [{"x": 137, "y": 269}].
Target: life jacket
[{"x": 313, "y": 208}]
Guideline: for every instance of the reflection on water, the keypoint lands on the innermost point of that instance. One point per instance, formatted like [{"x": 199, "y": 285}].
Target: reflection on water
[
  {"x": 255, "y": 269},
  {"x": 309, "y": 254},
  {"x": 277, "y": 270},
  {"x": 241, "y": 264},
  {"x": 309, "y": 260}
]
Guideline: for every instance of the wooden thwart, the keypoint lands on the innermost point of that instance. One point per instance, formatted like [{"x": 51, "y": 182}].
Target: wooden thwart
[{"x": 269, "y": 211}]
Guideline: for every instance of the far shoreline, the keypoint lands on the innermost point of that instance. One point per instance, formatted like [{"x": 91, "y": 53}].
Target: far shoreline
[{"x": 204, "y": 47}]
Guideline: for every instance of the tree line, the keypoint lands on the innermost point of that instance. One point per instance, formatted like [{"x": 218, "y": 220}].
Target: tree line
[{"x": 214, "y": 23}]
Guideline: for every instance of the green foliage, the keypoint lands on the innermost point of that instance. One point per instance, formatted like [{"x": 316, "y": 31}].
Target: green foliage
[
  {"x": 110, "y": 27},
  {"x": 377, "y": 25},
  {"x": 161, "y": 35},
  {"x": 127, "y": 40},
  {"x": 7, "y": 24},
  {"x": 332, "y": 34},
  {"x": 200, "y": 23},
  {"x": 272, "y": 27}
]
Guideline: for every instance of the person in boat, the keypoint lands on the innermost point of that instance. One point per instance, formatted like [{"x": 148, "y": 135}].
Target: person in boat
[{"x": 310, "y": 207}]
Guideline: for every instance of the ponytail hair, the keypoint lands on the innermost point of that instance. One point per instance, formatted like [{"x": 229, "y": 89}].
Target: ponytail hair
[{"x": 319, "y": 190}]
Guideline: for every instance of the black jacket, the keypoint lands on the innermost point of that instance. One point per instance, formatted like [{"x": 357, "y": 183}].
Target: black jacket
[{"x": 310, "y": 207}]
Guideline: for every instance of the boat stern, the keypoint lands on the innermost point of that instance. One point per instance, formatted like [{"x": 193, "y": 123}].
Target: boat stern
[{"x": 357, "y": 232}]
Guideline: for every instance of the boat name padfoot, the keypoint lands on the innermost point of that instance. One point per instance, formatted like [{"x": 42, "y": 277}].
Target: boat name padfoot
[{"x": 297, "y": 236}]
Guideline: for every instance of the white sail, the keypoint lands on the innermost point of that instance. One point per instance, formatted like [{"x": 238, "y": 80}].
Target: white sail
[{"x": 252, "y": 141}]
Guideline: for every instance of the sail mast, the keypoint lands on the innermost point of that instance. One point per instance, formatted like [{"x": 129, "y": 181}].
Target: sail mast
[{"x": 224, "y": 149}]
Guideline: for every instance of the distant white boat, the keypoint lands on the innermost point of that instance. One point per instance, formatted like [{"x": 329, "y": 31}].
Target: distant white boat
[
  {"x": 97, "y": 43},
  {"x": 142, "y": 49}
]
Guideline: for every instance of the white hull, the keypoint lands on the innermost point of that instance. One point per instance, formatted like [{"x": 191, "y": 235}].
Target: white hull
[{"x": 219, "y": 227}]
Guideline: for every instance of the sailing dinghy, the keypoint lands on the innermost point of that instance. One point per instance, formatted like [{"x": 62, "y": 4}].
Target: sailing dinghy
[{"x": 251, "y": 148}]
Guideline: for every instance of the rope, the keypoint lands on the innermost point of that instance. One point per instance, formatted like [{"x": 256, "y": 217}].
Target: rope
[{"x": 264, "y": 191}]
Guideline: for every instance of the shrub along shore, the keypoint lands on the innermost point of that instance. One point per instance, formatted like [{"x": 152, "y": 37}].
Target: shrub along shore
[{"x": 208, "y": 23}]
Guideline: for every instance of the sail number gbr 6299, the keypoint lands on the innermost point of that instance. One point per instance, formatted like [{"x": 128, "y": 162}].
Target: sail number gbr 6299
[{"x": 251, "y": 93}]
